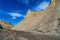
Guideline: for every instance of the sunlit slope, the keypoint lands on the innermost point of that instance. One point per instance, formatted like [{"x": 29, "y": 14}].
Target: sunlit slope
[{"x": 45, "y": 21}]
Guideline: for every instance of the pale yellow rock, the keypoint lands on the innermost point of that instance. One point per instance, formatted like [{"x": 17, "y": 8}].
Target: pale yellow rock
[
  {"x": 5, "y": 25},
  {"x": 45, "y": 21}
]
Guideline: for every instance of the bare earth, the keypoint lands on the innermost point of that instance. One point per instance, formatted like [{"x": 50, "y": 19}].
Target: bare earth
[{"x": 21, "y": 35}]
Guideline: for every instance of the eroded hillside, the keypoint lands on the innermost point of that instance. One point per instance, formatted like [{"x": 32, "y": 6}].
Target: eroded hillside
[{"x": 44, "y": 22}]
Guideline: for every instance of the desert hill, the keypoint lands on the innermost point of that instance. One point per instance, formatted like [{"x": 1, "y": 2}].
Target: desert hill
[
  {"x": 43, "y": 22},
  {"x": 37, "y": 25}
]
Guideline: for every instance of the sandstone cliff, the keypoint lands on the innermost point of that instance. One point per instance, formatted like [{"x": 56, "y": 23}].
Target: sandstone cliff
[{"x": 44, "y": 22}]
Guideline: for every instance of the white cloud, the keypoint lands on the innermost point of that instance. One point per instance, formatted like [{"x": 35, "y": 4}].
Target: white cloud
[
  {"x": 15, "y": 15},
  {"x": 42, "y": 6}
]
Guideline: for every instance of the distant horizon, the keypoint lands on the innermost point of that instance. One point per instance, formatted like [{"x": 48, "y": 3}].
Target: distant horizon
[{"x": 14, "y": 11}]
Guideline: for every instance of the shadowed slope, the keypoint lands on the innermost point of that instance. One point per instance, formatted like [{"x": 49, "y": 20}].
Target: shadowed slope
[{"x": 21, "y": 35}]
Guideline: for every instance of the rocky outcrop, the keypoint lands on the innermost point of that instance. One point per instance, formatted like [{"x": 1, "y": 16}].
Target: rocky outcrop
[{"x": 5, "y": 25}]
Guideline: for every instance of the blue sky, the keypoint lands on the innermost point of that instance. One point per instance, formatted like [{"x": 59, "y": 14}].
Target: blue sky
[{"x": 14, "y": 11}]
